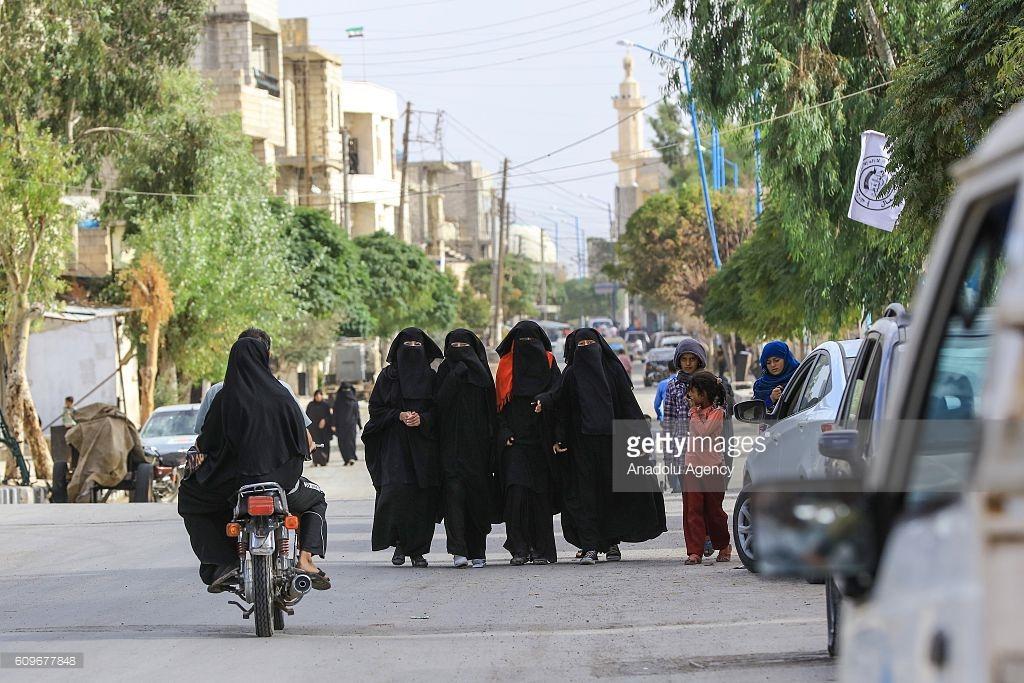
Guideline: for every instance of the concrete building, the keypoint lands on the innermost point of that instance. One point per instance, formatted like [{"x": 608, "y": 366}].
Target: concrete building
[
  {"x": 370, "y": 113},
  {"x": 468, "y": 199},
  {"x": 641, "y": 172},
  {"x": 531, "y": 242},
  {"x": 240, "y": 54}
]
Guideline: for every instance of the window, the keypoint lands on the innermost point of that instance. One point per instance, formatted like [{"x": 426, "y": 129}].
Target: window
[
  {"x": 948, "y": 435},
  {"x": 818, "y": 384},
  {"x": 791, "y": 393}
]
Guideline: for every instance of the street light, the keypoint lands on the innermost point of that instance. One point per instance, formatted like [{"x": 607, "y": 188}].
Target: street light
[
  {"x": 580, "y": 244},
  {"x": 696, "y": 143}
]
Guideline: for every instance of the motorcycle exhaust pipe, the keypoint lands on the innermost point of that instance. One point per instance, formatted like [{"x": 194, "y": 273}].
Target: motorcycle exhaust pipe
[{"x": 300, "y": 585}]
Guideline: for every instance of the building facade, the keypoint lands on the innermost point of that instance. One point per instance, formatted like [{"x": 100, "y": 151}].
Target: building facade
[{"x": 468, "y": 199}]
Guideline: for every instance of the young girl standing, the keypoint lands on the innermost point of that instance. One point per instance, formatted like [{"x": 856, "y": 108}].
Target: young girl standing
[{"x": 704, "y": 483}]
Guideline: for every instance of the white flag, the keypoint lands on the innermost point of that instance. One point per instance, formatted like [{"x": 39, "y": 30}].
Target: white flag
[{"x": 873, "y": 197}]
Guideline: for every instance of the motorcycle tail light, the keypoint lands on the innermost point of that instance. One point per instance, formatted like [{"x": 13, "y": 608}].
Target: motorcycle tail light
[
  {"x": 291, "y": 522},
  {"x": 163, "y": 471},
  {"x": 261, "y": 506},
  {"x": 233, "y": 529}
]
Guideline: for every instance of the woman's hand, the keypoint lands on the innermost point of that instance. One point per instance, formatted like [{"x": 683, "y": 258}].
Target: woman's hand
[
  {"x": 776, "y": 394},
  {"x": 536, "y": 407},
  {"x": 559, "y": 448},
  {"x": 510, "y": 440},
  {"x": 410, "y": 418}
]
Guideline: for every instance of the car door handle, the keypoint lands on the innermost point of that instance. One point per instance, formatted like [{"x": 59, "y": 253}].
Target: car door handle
[{"x": 802, "y": 423}]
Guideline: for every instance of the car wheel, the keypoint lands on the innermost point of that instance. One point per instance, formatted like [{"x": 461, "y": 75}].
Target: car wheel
[
  {"x": 647, "y": 382},
  {"x": 742, "y": 532},
  {"x": 142, "y": 485},
  {"x": 59, "y": 488}
]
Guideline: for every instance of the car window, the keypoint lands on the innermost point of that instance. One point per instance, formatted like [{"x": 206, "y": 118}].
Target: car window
[
  {"x": 171, "y": 423},
  {"x": 948, "y": 434},
  {"x": 787, "y": 405},
  {"x": 817, "y": 384}
]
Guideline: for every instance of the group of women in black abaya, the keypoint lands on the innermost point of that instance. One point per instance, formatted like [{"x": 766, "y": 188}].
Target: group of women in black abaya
[{"x": 532, "y": 442}]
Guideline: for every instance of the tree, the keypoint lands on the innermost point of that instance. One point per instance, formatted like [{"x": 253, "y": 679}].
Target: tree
[
  {"x": 473, "y": 311},
  {"x": 150, "y": 295},
  {"x": 35, "y": 242},
  {"x": 218, "y": 238},
  {"x": 579, "y": 300},
  {"x": 754, "y": 60},
  {"x": 72, "y": 70},
  {"x": 404, "y": 286},
  {"x": 665, "y": 252},
  {"x": 521, "y": 290}
]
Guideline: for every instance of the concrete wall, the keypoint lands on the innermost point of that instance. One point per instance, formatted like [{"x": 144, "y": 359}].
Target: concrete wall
[{"x": 71, "y": 358}]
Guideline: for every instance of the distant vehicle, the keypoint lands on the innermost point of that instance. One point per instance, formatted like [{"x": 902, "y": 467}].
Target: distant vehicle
[
  {"x": 602, "y": 325},
  {"x": 167, "y": 435},
  {"x": 658, "y": 365},
  {"x": 639, "y": 342},
  {"x": 556, "y": 333},
  {"x": 617, "y": 343},
  {"x": 809, "y": 402},
  {"x": 671, "y": 341}
]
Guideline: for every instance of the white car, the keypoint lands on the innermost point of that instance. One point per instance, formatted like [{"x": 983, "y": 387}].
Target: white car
[{"x": 810, "y": 400}]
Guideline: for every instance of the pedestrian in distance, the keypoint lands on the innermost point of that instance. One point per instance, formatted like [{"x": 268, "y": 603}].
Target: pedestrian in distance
[
  {"x": 347, "y": 421},
  {"x": 319, "y": 413},
  {"x": 67, "y": 414},
  {"x": 777, "y": 367},
  {"x": 526, "y": 470},
  {"x": 627, "y": 364},
  {"x": 467, "y": 419},
  {"x": 401, "y": 449},
  {"x": 703, "y": 482},
  {"x": 595, "y": 392}
]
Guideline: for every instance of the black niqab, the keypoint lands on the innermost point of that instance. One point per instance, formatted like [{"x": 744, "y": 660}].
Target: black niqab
[
  {"x": 415, "y": 376},
  {"x": 591, "y": 367},
  {"x": 531, "y": 369},
  {"x": 254, "y": 416},
  {"x": 473, "y": 357}
]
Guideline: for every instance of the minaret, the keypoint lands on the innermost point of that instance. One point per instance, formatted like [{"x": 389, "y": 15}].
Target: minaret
[{"x": 628, "y": 105}]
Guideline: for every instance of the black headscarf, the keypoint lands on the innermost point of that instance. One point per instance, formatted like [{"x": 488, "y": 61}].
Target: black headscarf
[
  {"x": 254, "y": 415},
  {"x": 531, "y": 366},
  {"x": 415, "y": 376},
  {"x": 473, "y": 357},
  {"x": 595, "y": 370}
]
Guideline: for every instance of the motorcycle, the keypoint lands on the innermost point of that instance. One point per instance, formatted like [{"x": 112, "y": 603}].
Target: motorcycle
[
  {"x": 268, "y": 554},
  {"x": 167, "y": 475}
]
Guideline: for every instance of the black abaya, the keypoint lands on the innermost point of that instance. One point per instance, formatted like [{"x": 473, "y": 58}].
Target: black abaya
[
  {"x": 318, "y": 411},
  {"x": 466, "y": 424},
  {"x": 403, "y": 461},
  {"x": 594, "y": 391},
  {"x": 346, "y": 421}
]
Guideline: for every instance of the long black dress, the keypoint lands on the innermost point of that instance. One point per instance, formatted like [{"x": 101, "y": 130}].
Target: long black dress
[
  {"x": 526, "y": 467},
  {"x": 403, "y": 461},
  {"x": 593, "y": 392},
  {"x": 346, "y": 421},
  {"x": 317, "y": 411},
  {"x": 466, "y": 424}
]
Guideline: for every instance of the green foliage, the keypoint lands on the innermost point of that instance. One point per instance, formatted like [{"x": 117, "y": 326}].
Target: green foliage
[
  {"x": 754, "y": 59},
  {"x": 405, "y": 288},
  {"x": 76, "y": 65},
  {"x": 521, "y": 290},
  {"x": 225, "y": 250},
  {"x": 473, "y": 310},
  {"x": 35, "y": 227},
  {"x": 665, "y": 252},
  {"x": 578, "y": 300},
  {"x": 943, "y": 102}
]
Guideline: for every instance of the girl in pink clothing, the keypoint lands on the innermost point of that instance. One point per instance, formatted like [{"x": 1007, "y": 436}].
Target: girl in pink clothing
[{"x": 703, "y": 482}]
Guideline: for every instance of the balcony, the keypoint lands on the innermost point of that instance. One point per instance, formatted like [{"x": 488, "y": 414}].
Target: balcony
[{"x": 265, "y": 81}]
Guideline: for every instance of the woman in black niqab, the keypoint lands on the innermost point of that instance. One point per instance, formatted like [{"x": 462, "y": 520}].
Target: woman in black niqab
[
  {"x": 594, "y": 392},
  {"x": 525, "y": 465},
  {"x": 466, "y": 424},
  {"x": 401, "y": 449}
]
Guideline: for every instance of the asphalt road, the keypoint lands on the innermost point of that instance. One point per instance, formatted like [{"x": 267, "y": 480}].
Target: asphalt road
[{"x": 118, "y": 583}]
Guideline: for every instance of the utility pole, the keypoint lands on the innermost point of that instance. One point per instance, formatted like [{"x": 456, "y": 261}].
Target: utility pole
[
  {"x": 500, "y": 269},
  {"x": 543, "y": 280},
  {"x": 400, "y": 231},
  {"x": 345, "y": 206},
  {"x": 305, "y": 130}
]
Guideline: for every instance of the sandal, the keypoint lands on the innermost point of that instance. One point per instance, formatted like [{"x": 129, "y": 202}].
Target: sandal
[
  {"x": 724, "y": 555},
  {"x": 692, "y": 560},
  {"x": 579, "y": 554}
]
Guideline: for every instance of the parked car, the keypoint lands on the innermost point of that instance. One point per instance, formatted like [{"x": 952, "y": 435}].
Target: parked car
[
  {"x": 658, "y": 365},
  {"x": 671, "y": 341},
  {"x": 168, "y": 433},
  {"x": 638, "y": 342},
  {"x": 557, "y": 332},
  {"x": 927, "y": 544},
  {"x": 868, "y": 389},
  {"x": 809, "y": 402}
]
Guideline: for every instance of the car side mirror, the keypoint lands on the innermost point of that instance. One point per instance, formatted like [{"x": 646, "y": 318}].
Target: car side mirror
[
  {"x": 812, "y": 529},
  {"x": 753, "y": 411},
  {"x": 840, "y": 444}
]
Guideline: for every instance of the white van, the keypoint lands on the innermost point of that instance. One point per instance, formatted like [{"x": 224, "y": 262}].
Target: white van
[{"x": 928, "y": 546}]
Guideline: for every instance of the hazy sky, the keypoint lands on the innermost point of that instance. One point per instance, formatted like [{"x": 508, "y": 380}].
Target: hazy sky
[{"x": 520, "y": 78}]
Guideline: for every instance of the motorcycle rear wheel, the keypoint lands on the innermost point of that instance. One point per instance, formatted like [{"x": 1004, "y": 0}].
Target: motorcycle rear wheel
[
  {"x": 263, "y": 595},
  {"x": 278, "y": 618}
]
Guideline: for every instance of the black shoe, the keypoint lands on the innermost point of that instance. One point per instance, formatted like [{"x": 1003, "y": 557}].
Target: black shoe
[
  {"x": 517, "y": 561},
  {"x": 419, "y": 561},
  {"x": 589, "y": 557},
  {"x": 226, "y": 576},
  {"x": 399, "y": 559},
  {"x": 614, "y": 554},
  {"x": 541, "y": 560}
]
